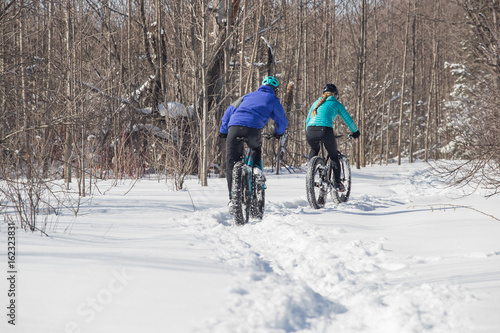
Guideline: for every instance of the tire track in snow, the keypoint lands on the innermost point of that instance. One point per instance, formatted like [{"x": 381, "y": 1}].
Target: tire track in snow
[
  {"x": 295, "y": 276},
  {"x": 262, "y": 299},
  {"x": 354, "y": 274}
]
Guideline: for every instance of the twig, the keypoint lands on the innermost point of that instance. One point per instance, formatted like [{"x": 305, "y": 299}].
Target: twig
[
  {"x": 131, "y": 187},
  {"x": 107, "y": 231},
  {"x": 460, "y": 206},
  {"x": 190, "y": 197}
]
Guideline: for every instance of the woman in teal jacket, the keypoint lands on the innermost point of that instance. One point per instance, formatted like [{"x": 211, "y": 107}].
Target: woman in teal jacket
[{"x": 319, "y": 127}]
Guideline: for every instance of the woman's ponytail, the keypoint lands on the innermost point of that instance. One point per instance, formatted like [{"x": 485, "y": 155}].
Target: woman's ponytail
[{"x": 323, "y": 99}]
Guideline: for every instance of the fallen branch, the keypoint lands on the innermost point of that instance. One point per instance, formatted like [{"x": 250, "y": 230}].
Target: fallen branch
[{"x": 459, "y": 206}]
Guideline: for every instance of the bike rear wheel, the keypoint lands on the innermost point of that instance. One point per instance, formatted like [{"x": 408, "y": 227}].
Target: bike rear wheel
[
  {"x": 241, "y": 193},
  {"x": 345, "y": 179},
  {"x": 316, "y": 183}
]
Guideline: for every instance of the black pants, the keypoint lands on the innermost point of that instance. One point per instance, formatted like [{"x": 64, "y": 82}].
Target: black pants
[
  {"x": 317, "y": 134},
  {"x": 235, "y": 148}
]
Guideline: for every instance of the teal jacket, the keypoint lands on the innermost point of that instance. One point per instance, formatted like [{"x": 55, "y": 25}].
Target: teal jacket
[{"x": 327, "y": 113}]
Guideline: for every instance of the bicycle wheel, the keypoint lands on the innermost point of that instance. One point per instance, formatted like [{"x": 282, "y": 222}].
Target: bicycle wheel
[
  {"x": 259, "y": 197},
  {"x": 316, "y": 184},
  {"x": 241, "y": 193},
  {"x": 345, "y": 178}
]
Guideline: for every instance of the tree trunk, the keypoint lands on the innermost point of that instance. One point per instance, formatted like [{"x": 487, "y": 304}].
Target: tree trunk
[
  {"x": 242, "y": 54},
  {"x": 24, "y": 102},
  {"x": 413, "y": 87},
  {"x": 204, "y": 146},
  {"x": 388, "y": 131},
  {"x": 46, "y": 104},
  {"x": 360, "y": 109},
  {"x": 382, "y": 112},
  {"x": 69, "y": 93},
  {"x": 228, "y": 12},
  {"x": 298, "y": 61},
  {"x": 160, "y": 55},
  {"x": 253, "y": 57},
  {"x": 403, "y": 75},
  {"x": 428, "y": 140}
]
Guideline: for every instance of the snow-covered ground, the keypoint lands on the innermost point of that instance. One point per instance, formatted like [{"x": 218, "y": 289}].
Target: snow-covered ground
[{"x": 403, "y": 255}]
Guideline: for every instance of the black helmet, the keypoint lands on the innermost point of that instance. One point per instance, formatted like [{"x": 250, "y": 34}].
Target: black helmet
[{"x": 330, "y": 87}]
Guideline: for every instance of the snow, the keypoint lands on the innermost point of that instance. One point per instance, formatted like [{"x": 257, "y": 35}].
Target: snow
[
  {"x": 404, "y": 254},
  {"x": 176, "y": 109}
]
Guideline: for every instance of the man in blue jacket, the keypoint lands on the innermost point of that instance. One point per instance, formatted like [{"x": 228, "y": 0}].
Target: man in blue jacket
[{"x": 246, "y": 119}]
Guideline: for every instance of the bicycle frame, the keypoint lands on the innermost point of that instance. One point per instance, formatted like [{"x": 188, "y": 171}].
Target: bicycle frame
[
  {"x": 328, "y": 160},
  {"x": 248, "y": 160}
]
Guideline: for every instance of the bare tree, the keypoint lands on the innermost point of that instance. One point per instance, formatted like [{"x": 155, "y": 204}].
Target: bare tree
[
  {"x": 403, "y": 85},
  {"x": 474, "y": 123},
  {"x": 87, "y": 87}
]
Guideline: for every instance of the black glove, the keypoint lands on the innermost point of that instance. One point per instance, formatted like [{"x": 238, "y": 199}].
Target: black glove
[
  {"x": 222, "y": 135},
  {"x": 276, "y": 135},
  {"x": 356, "y": 134}
]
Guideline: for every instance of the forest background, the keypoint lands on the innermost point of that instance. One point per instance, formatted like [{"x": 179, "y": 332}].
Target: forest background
[{"x": 99, "y": 89}]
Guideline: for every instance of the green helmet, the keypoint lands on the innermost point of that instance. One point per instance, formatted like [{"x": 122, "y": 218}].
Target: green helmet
[{"x": 271, "y": 81}]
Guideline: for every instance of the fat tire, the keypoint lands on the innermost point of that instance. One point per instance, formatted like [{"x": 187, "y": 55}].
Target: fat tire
[
  {"x": 241, "y": 194},
  {"x": 258, "y": 200},
  {"x": 316, "y": 187},
  {"x": 345, "y": 178}
]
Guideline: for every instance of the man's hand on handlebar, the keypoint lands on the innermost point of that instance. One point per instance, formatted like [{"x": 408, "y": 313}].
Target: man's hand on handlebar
[
  {"x": 271, "y": 135},
  {"x": 276, "y": 135}
]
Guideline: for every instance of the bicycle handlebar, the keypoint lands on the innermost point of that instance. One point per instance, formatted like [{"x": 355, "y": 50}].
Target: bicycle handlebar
[
  {"x": 268, "y": 135},
  {"x": 264, "y": 135},
  {"x": 271, "y": 136},
  {"x": 348, "y": 136}
]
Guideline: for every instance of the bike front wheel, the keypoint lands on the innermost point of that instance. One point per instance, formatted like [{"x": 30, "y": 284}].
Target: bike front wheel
[
  {"x": 345, "y": 178},
  {"x": 316, "y": 183},
  {"x": 259, "y": 198},
  {"x": 241, "y": 193}
]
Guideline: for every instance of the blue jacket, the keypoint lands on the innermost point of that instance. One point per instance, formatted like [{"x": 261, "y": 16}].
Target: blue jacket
[
  {"x": 327, "y": 112},
  {"x": 255, "y": 110}
]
